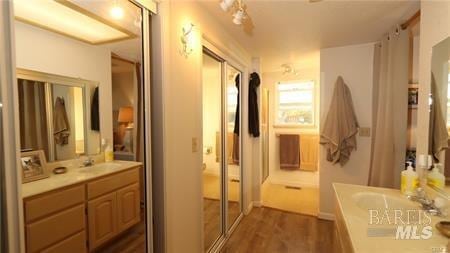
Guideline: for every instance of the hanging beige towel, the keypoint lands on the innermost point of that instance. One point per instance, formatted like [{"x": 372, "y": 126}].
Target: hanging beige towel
[
  {"x": 438, "y": 129},
  {"x": 309, "y": 152},
  {"x": 61, "y": 127},
  {"x": 341, "y": 125},
  {"x": 289, "y": 151}
]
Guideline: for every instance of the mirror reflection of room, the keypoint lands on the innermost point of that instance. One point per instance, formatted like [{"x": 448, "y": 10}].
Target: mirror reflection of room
[
  {"x": 80, "y": 100},
  {"x": 438, "y": 174}
]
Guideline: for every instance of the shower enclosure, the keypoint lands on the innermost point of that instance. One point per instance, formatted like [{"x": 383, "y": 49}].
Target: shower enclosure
[{"x": 222, "y": 164}]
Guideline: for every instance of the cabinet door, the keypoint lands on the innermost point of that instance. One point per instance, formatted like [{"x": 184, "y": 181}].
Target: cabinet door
[
  {"x": 102, "y": 216},
  {"x": 128, "y": 207}
]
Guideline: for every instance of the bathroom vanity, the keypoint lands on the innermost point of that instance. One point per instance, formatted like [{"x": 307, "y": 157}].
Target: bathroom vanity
[
  {"x": 82, "y": 209},
  {"x": 355, "y": 233}
]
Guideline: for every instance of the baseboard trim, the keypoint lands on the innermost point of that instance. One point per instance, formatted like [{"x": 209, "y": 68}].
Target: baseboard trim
[
  {"x": 326, "y": 216},
  {"x": 257, "y": 203},
  {"x": 249, "y": 208}
]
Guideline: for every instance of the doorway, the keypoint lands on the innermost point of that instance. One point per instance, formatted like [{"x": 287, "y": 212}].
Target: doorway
[{"x": 222, "y": 166}]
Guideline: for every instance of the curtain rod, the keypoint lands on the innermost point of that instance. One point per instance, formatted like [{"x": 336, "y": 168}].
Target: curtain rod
[{"x": 412, "y": 20}]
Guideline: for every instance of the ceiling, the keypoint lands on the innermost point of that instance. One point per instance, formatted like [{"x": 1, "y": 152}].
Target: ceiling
[{"x": 294, "y": 31}]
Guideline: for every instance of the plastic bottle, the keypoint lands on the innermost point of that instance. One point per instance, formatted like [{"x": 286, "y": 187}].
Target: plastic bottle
[
  {"x": 409, "y": 180},
  {"x": 435, "y": 177},
  {"x": 109, "y": 153}
]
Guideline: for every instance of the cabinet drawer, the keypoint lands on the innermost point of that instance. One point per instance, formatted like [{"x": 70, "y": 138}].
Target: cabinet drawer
[
  {"x": 111, "y": 183},
  {"x": 53, "y": 229},
  {"x": 53, "y": 202},
  {"x": 73, "y": 244}
]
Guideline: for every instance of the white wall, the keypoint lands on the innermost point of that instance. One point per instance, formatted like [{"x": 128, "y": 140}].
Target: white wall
[
  {"x": 276, "y": 175},
  {"x": 40, "y": 50},
  {"x": 355, "y": 64},
  {"x": 177, "y": 119},
  {"x": 434, "y": 27}
]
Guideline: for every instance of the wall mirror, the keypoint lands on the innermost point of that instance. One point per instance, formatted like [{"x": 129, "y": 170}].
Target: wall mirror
[
  {"x": 439, "y": 137},
  {"x": 58, "y": 115}
]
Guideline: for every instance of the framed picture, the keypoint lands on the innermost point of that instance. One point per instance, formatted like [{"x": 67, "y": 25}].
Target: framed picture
[{"x": 33, "y": 166}]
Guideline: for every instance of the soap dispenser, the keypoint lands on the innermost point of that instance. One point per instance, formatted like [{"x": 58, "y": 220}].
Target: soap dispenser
[
  {"x": 435, "y": 177},
  {"x": 409, "y": 180}
]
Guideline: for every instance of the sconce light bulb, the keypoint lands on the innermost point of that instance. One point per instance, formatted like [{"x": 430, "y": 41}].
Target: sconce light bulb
[{"x": 238, "y": 17}]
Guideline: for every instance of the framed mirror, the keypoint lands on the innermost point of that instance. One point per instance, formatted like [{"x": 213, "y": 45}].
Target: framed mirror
[
  {"x": 439, "y": 131},
  {"x": 58, "y": 115}
]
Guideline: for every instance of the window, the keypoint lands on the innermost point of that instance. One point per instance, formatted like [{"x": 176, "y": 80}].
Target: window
[{"x": 295, "y": 104}]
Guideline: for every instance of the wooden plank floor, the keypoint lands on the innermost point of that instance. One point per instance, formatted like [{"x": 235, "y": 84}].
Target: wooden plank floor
[{"x": 267, "y": 230}]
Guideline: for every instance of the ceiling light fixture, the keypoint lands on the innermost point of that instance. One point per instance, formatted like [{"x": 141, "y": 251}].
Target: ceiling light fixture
[
  {"x": 116, "y": 11},
  {"x": 238, "y": 9},
  {"x": 68, "y": 19},
  {"x": 288, "y": 69},
  {"x": 226, "y": 4},
  {"x": 238, "y": 17}
]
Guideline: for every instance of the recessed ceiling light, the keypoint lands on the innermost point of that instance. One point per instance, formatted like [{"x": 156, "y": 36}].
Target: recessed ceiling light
[
  {"x": 116, "y": 12},
  {"x": 69, "y": 19}
]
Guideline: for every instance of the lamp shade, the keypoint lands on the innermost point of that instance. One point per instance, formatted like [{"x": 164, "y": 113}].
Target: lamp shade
[{"x": 125, "y": 114}]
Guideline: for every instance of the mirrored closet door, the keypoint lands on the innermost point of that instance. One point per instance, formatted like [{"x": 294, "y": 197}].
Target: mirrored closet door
[{"x": 221, "y": 172}]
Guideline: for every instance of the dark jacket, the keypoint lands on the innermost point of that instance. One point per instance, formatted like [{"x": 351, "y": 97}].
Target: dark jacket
[
  {"x": 253, "y": 114},
  {"x": 236, "y": 116},
  {"x": 95, "y": 112}
]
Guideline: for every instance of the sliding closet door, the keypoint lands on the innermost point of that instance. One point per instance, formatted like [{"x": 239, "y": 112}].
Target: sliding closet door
[
  {"x": 233, "y": 150},
  {"x": 212, "y": 150}
]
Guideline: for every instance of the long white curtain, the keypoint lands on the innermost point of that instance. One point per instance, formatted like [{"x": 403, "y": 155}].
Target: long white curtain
[{"x": 391, "y": 108}]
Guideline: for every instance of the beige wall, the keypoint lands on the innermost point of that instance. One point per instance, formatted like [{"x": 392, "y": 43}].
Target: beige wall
[
  {"x": 355, "y": 65},
  {"x": 276, "y": 175},
  {"x": 177, "y": 117},
  {"x": 47, "y": 52},
  {"x": 434, "y": 27}
]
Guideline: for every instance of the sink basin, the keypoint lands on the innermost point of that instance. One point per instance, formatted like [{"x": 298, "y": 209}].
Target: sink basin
[
  {"x": 379, "y": 201},
  {"x": 99, "y": 167}
]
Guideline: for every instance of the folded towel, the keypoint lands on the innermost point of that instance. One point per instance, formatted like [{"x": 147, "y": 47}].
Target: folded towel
[
  {"x": 340, "y": 127},
  {"x": 289, "y": 151},
  {"x": 61, "y": 126}
]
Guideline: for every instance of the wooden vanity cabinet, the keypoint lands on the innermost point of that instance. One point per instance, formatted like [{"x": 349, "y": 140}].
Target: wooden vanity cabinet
[{"x": 81, "y": 218}]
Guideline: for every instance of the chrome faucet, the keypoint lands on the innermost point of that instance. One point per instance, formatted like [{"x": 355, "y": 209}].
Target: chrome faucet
[
  {"x": 428, "y": 205},
  {"x": 88, "y": 162}
]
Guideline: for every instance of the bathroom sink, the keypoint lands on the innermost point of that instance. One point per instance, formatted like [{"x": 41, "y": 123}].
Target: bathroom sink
[{"x": 379, "y": 201}]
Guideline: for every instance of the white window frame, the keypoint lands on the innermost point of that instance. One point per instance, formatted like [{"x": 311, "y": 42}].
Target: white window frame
[{"x": 277, "y": 124}]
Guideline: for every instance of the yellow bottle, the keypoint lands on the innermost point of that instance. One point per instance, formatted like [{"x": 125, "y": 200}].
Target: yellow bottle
[
  {"x": 109, "y": 154},
  {"x": 435, "y": 177},
  {"x": 409, "y": 180}
]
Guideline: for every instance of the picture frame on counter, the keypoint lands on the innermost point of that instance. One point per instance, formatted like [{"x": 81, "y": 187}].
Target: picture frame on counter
[{"x": 34, "y": 166}]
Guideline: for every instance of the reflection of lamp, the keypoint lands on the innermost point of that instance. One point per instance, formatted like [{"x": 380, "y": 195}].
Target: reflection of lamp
[{"x": 126, "y": 117}]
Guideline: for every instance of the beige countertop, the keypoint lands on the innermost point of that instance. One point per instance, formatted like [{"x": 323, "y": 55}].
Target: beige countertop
[
  {"x": 75, "y": 176},
  {"x": 356, "y": 219}
]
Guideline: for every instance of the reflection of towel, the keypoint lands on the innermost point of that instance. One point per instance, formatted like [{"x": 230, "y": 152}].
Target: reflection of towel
[
  {"x": 340, "y": 127},
  {"x": 289, "y": 151},
  {"x": 61, "y": 127},
  {"x": 438, "y": 130},
  {"x": 95, "y": 112}
]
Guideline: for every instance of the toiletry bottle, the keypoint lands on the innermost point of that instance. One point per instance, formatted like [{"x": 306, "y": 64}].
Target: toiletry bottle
[
  {"x": 109, "y": 153},
  {"x": 422, "y": 169},
  {"x": 435, "y": 177},
  {"x": 409, "y": 180}
]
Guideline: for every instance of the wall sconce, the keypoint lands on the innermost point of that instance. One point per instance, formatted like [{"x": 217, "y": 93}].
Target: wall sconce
[{"x": 187, "y": 40}]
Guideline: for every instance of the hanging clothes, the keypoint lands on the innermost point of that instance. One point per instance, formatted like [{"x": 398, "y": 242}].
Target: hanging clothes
[
  {"x": 253, "y": 114},
  {"x": 236, "y": 116},
  {"x": 61, "y": 126},
  {"x": 95, "y": 112},
  {"x": 236, "y": 124}
]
